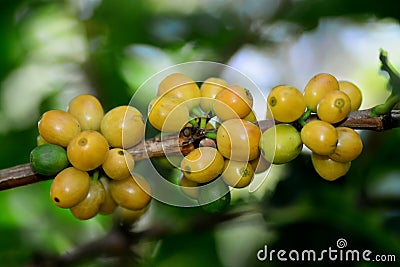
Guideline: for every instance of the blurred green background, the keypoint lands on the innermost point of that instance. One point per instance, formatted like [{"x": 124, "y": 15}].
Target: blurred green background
[{"x": 52, "y": 51}]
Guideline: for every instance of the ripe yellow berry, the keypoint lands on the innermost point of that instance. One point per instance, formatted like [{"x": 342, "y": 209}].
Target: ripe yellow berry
[
  {"x": 69, "y": 187},
  {"x": 238, "y": 139},
  {"x": 317, "y": 87},
  {"x": 123, "y": 126},
  {"x": 88, "y": 150},
  {"x": 209, "y": 90},
  {"x": 202, "y": 165},
  {"x": 168, "y": 114},
  {"x": 118, "y": 164},
  {"x": 131, "y": 193},
  {"x": 319, "y": 136},
  {"x": 286, "y": 103},
  {"x": 88, "y": 110},
  {"x": 334, "y": 107},
  {"x": 328, "y": 168},
  {"x": 58, "y": 127},
  {"x": 233, "y": 102},
  {"x": 353, "y": 92},
  {"x": 349, "y": 145},
  {"x": 180, "y": 86}
]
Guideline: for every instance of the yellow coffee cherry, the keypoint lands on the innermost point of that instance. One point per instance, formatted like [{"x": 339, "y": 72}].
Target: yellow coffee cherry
[
  {"x": 209, "y": 90},
  {"x": 202, "y": 164},
  {"x": 334, "y": 107},
  {"x": 238, "y": 139},
  {"x": 320, "y": 136},
  {"x": 88, "y": 111},
  {"x": 237, "y": 174},
  {"x": 88, "y": 150},
  {"x": 58, "y": 127},
  {"x": 286, "y": 103},
  {"x": 69, "y": 187},
  {"x": 118, "y": 164},
  {"x": 317, "y": 87},
  {"x": 233, "y": 102},
  {"x": 131, "y": 193},
  {"x": 180, "y": 86},
  {"x": 349, "y": 145},
  {"x": 168, "y": 114},
  {"x": 353, "y": 92},
  {"x": 123, "y": 126},
  {"x": 328, "y": 168},
  {"x": 90, "y": 205}
]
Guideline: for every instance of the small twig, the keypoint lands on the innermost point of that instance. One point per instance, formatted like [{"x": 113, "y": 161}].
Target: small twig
[{"x": 157, "y": 147}]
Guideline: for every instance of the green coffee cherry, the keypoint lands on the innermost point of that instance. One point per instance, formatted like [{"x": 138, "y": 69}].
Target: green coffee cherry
[{"x": 48, "y": 159}]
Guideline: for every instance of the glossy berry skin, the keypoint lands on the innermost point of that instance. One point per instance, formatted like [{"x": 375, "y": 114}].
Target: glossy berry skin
[
  {"x": 89, "y": 207},
  {"x": 180, "y": 86},
  {"x": 58, "y": 127},
  {"x": 118, "y": 164},
  {"x": 108, "y": 206},
  {"x": 320, "y": 136},
  {"x": 353, "y": 92},
  {"x": 69, "y": 187},
  {"x": 286, "y": 103},
  {"x": 189, "y": 187},
  {"x": 237, "y": 174},
  {"x": 238, "y": 140},
  {"x": 334, "y": 107},
  {"x": 209, "y": 90},
  {"x": 329, "y": 169},
  {"x": 88, "y": 110},
  {"x": 202, "y": 165},
  {"x": 131, "y": 193},
  {"x": 215, "y": 198},
  {"x": 123, "y": 126},
  {"x": 168, "y": 114},
  {"x": 349, "y": 145},
  {"x": 317, "y": 87},
  {"x": 88, "y": 150},
  {"x": 281, "y": 144},
  {"x": 48, "y": 159},
  {"x": 233, "y": 102}
]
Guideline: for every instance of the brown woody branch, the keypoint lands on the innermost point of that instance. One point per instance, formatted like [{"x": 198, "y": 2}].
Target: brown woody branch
[{"x": 156, "y": 147}]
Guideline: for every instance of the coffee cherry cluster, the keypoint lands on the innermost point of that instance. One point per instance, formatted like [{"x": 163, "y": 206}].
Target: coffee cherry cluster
[
  {"x": 85, "y": 150},
  {"x": 230, "y": 155},
  {"x": 333, "y": 148}
]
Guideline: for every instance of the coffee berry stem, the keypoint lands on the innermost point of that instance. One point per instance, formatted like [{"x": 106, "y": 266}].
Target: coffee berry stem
[
  {"x": 394, "y": 83},
  {"x": 386, "y": 107},
  {"x": 95, "y": 176},
  {"x": 302, "y": 120}
]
